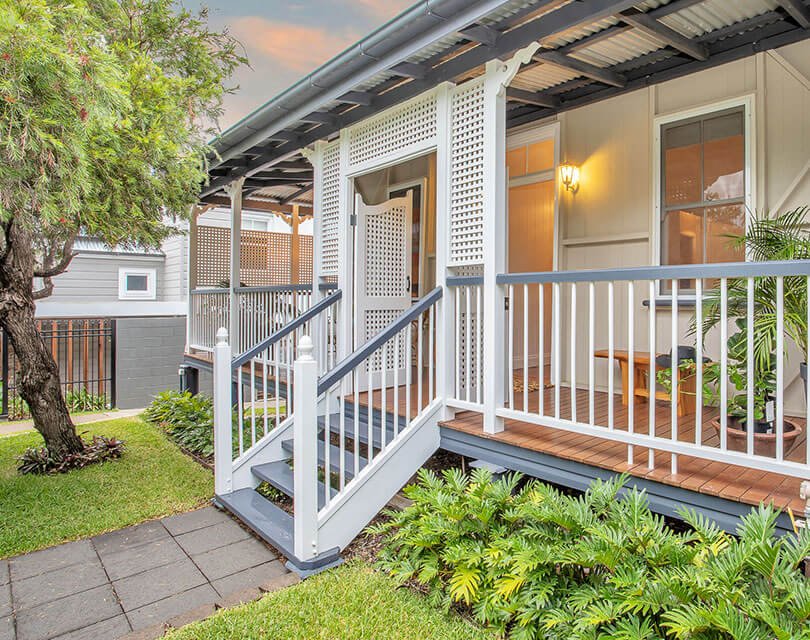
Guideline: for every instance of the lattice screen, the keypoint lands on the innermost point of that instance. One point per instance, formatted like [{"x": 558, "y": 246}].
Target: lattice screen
[
  {"x": 376, "y": 321},
  {"x": 266, "y": 258},
  {"x": 467, "y": 174},
  {"x": 330, "y": 209},
  {"x": 379, "y": 137},
  {"x": 385, "y": 260}
]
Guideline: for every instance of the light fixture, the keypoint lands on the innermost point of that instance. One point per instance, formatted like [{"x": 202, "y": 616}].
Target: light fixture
[{"x": 569, "y": 174}]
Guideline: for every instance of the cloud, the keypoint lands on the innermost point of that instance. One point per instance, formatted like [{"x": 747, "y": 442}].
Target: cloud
[
  {"x": 383, "y": 8},
  {"x": 295, "y": 47}
]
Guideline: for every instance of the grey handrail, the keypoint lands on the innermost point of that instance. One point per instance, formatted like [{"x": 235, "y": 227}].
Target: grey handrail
[
  {"x": 209, "y": 290},
  {"x": 287, "y": 329},
  {"x": 464, "y": 281},
  {"x": 350, "y": 362},
  {"x": 668, "y": 272},
  {"x": 272, "y": 288}
]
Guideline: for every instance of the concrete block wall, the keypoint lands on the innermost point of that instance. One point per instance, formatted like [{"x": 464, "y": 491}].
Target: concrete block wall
[{"x": 148, "y": 354}]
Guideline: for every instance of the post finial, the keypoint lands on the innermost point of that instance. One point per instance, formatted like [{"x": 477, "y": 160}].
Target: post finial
[
  {"x": 222, "y": 335},
  {"x": 305, "y": 348}
]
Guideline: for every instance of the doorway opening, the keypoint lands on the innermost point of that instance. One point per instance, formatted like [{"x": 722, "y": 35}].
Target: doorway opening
[
  {"x": 531, "y": 161},
  {"x": 394, "y": 242}
]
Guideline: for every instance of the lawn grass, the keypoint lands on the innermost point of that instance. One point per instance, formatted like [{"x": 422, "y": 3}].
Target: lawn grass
[
  {"x": 352, "y": 602},
  {"x": 152, "y": 479}
]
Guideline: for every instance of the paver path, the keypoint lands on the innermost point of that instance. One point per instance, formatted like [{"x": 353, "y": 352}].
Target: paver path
[
  {"x": 133, "y": 579},
  {"x": 18, "y": 426}
]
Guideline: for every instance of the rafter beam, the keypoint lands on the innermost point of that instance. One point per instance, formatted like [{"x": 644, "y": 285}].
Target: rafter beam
[
  {"x": 320, "y": 117},
  {"x": 256, "y": 205},
  {"x": 664, "y": 34},
  {"x": 536, "y": 98},
  {"x": 282, "y": 136},
  {"x": 583, "y": 68},
  {"x": 798, "y": 11},
  {"x": 409, "y": 70},
  {"x": 362, "y": 98},
  {"x": 481, "y": 34},
  {"x": 295, "y": 195}
]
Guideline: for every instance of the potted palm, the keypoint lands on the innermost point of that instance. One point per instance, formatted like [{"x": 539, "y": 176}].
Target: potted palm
[{"x": 782, "y": 237}]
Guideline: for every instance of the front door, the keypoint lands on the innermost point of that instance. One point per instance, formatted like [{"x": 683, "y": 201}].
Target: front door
[{"x": 382, "y": 272}]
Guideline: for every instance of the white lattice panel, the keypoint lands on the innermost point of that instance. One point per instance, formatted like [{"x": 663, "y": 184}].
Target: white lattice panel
[
  {"x": 402, "y": 128},
  {"x": 376, "y": 321},
  {"x": 467, "y": 174},
  {"x": 330, "y": 209},
  {"x": 386, "y": 264}
]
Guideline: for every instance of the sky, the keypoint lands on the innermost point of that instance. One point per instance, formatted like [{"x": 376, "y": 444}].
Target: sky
[{"x": 286, "y": 40}]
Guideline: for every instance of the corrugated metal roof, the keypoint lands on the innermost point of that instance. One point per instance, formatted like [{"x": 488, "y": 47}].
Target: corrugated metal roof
[
  {"x": 710, "y": 15},
  {"x": 87, "y": 244},
  {"x": 278, "y": 193}
]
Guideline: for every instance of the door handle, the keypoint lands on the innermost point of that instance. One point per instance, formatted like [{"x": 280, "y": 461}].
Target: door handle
[{"x": 408, "y": 283}]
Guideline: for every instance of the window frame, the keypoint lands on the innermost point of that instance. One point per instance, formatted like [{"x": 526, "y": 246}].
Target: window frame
[
  {"x": 151, "y": 283},
  {"x": 745, "y": 102}
]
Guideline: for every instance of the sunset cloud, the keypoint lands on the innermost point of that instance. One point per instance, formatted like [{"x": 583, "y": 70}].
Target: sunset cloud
[
  {"x": 294, "y": 47},
  {"x": 383, "y": 8}
]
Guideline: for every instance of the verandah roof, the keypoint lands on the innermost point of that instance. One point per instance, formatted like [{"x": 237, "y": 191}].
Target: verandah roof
[{"x": 593, "y": 49}]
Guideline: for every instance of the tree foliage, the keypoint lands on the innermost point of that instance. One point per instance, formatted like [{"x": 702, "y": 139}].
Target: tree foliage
[
  {"x": 106, "y": 107},
  {"x": 537, "y": 563}
]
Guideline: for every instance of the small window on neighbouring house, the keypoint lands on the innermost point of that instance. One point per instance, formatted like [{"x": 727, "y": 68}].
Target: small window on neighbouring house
[
  {"x": 703, "y": 189},
  {"x": 136, "y": 284}
]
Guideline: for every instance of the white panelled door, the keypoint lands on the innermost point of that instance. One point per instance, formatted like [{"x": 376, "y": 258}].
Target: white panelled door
[{"x": 382, "y": 272}]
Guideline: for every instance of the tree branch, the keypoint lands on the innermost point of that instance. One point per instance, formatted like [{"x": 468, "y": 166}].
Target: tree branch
[
  {"x": 49, "y": 270},
  {"x": 45, "y": 291}
]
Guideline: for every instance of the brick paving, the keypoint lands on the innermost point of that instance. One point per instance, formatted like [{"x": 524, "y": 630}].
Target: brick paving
[{"x": 135, "y": 581}]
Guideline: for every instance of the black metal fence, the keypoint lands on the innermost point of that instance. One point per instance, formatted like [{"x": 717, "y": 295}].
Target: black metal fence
[{"x": 84, "y": 350}]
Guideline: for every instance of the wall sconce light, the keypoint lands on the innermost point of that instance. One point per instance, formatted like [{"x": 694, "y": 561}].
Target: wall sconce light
[{"x": 569, "y": 174}]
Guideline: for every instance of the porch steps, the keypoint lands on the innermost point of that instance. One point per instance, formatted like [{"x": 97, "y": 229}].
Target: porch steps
[{"x": 276, "y": 527}]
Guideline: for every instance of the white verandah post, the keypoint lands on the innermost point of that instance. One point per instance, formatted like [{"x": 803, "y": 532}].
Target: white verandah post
[
  {"x": 305, "y": 452},
  {"x": 234, "y": 191}
]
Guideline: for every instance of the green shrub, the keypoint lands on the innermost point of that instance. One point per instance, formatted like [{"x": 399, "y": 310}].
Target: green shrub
[
  {"x": 82, "y": 400},
  {"x": 533, "y": 562},
  {"x": 187, "y": 419}
]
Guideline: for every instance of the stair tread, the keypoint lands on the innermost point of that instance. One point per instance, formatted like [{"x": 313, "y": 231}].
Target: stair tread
[
  {"x": 349, "y": 424},
  {"x": 334, "y": 457},
  {"x": 280, "y": 475},
  {"x": 272, "y": 523}
]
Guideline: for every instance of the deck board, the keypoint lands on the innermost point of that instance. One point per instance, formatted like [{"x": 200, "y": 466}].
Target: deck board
[{"x": 732, "y": 482}]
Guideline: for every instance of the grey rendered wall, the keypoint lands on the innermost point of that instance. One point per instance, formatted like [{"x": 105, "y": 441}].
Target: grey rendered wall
[{"x": 148, "y": 354}]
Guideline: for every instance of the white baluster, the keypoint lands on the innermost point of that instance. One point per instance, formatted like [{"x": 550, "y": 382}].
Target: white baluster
[
  {"x": 631, "y": 370},
  {"x": 573, "y": 348},
  {"x": 555, "y": 345},
  {"x": 591, "y": 347},
  {"x": 780, "y": 368},
  {"x": 525, "y": 348},
  {"x": 611, "y": 362},
  {"x": 511, "y": 353},
  {"x": 541, "y": 347},
  {"x": 723, "y": 363},
  {"x": 651, "y": 382},
  {"x": 675, "y": 366}
]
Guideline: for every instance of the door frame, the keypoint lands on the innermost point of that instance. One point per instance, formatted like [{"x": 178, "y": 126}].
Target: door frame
[
  {"x": 522, "y": 137},
  {"x": 410, "y": 184}
]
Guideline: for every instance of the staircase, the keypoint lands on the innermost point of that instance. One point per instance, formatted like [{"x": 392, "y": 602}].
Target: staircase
[{"x": 338, "y": 458}]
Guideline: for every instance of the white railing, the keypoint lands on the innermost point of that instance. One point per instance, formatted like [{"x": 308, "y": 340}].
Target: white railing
[
  {"x": 209, "y": 310},
  {"x": 389, "y": 384},
  {"x": 468, "y": 363},
  {"x": 265, "y": 310},
  {"x": 258, "y": 385},
  {"x": 634, "y": 316}
]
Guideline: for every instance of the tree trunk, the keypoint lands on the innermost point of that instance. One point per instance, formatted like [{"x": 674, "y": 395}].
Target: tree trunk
[{"x": 39, "y": 380}]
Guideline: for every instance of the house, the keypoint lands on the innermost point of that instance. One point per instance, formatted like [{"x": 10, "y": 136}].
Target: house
[{"x": 519, "y": 206}]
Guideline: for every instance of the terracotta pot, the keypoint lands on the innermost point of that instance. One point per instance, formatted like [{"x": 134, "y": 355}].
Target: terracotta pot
[{"x": 764, "y": 443}]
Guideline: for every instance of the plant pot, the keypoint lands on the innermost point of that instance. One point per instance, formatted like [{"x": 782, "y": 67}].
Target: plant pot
[{"x": 764, "y": 443}]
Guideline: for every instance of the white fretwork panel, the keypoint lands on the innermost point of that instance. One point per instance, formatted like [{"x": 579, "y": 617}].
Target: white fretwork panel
[
  {"x": 467, "y": 174},
  {"x": 386, "y": 262},
  {"x": 402, "y": 128},
  {"x": 330, "y": 209},
  {"x": 376, "y": 321}
]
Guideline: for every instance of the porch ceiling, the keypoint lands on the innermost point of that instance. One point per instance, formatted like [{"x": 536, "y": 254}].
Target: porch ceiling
[{"x": 593, "y": 49}]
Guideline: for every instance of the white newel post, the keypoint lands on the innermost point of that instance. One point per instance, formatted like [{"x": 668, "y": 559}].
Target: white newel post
[
  {"x": 305, "y": 457},
  {"x": 223, "y": 427}
]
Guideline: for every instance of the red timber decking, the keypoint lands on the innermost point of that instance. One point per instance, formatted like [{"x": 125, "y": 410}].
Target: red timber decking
[{"x": 731, "y": 482}]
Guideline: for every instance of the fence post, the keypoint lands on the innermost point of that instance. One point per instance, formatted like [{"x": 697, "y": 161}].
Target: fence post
[
  {"x": 223, "y": 427},
  {"x": 305, "y": 460}
]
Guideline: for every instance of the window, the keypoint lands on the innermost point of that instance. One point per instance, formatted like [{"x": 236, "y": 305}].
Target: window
[
  {"x": 136, "y": 284},
  {"x": 703, "y": 188}
]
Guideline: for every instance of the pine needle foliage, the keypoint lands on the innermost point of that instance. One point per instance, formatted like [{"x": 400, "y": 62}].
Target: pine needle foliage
[{"x": 533, "y": 562}]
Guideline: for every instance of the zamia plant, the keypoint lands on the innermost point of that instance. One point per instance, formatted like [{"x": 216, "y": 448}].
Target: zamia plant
[{"x": 533, "y": 562}]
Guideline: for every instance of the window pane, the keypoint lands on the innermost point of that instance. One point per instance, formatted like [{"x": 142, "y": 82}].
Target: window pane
[
  {"x": 724, "y": 157},
  {"x": 137, "y": 282},
  {"x": 682, "y": 237},
  {"x": 541, "y": 156},
  {"x": 516, "y": 162},
  {"x": 722, "y": 222},
  {"x": 682, "y": 169}
]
